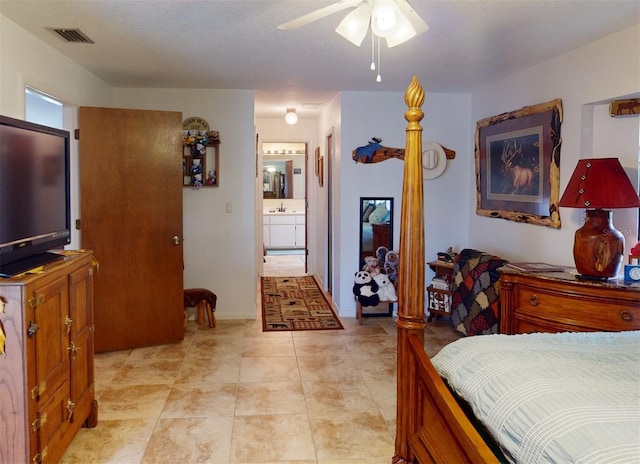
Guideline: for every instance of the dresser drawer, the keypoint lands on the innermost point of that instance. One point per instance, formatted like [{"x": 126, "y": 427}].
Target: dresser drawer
[{"x": 585, "y": 313}]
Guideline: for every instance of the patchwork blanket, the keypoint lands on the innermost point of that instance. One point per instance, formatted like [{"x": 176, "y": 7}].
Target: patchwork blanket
[{"x": 475, "y": 304}]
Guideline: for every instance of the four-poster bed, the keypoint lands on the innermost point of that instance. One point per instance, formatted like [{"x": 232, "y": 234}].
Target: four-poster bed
[
  {"x": 423, "y": 398},
  {"x": 433, "y": 426}
]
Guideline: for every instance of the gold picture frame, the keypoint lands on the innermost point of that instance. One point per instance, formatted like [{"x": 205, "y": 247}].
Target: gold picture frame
[{"x": 517, "y": 156}]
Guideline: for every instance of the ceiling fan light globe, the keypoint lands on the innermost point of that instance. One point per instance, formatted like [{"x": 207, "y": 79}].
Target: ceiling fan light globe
[
  {"x": 385, "y": 18},
  {"x": 404, "y": 33},
  {"x": 355, "y": 25}
]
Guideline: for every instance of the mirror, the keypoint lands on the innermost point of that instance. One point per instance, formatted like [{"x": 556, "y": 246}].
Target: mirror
[
  {"x": 283, "y": 166},
  {"x": 376, "y": 230}
]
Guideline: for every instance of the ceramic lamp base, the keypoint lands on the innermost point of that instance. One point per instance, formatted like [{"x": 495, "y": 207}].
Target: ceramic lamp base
[{"x": 598, "y": 246}]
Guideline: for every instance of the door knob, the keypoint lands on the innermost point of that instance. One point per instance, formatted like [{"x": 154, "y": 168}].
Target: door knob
[{"x": 176, "y": 240}]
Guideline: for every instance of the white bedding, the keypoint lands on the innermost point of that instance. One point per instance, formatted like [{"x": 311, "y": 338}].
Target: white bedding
[{"x": 564, "y": 398}]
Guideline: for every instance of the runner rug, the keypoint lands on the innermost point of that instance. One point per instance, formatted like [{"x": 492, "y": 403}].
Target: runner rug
[{"x": 295, "y": 303}]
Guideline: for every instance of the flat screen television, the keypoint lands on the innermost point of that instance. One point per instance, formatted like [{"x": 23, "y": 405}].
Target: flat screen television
[{"x": 35, "y": 206}]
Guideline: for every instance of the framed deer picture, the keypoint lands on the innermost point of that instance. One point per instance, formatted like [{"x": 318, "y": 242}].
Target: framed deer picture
[{"x": 517, "y": 158}]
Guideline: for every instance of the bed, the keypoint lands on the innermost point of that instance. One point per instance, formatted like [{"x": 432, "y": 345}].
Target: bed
[{"x": 434, "y": 423}]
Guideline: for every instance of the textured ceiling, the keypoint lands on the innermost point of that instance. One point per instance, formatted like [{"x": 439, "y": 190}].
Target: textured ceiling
[{"x": 234, "y": 44}]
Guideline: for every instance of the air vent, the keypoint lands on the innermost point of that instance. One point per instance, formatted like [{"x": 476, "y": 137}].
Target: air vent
[{"x": 73, "y": 35}]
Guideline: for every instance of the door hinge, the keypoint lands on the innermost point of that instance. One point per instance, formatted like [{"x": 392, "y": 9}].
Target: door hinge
[
  {"x": 41, "y": 456},
  {"x": 71, "y": 406},
  {"x": 76, "y": 134},
  {"x": 68, "y": 322},
  {"x": 33, "y": 328},
  {"x": 73, "y": 349},
  {"x": 39, "y": 422},
  {"x": 78, "y": 224},
  {"x": 36, "y": 301},
  {"x": 38, "y": 390}
]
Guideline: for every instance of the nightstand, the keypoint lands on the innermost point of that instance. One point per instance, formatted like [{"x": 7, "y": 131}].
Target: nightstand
[
  {"x": 559, "y": 302},
  {"x": 439, "y": 291}
]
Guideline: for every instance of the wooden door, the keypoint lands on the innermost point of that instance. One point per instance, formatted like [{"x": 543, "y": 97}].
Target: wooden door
[{"x": 131, "y": 217}]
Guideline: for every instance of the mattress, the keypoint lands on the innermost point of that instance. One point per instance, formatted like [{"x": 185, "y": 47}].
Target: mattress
[{"x": 565, "y": 398}]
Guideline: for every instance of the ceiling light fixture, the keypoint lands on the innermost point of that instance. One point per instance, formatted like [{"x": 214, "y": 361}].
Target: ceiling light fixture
[
  {"x": 393, "y": 20},
  {"x": 291, "y": 117}
]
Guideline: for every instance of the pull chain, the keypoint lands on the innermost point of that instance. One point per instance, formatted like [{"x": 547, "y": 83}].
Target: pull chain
[
  {"x": 373, "y": 63},
  {"x": 378, "y": 77}
]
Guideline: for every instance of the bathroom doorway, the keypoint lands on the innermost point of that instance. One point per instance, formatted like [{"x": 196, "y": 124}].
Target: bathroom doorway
[{"x": 284, "y": 212}]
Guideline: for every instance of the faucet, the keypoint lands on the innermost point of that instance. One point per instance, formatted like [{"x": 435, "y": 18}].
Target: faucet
[{"x": 281, "y": 208}]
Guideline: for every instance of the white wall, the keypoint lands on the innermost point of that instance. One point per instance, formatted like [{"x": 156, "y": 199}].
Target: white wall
[
  {"x": 329, "y": 125},
  {"x": 219, "y": 246},
  {"x": 604, "y": 70},
  {"x": 381, "y": 114}
]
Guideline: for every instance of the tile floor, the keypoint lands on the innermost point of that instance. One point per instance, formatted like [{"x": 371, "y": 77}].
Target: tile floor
[
  {"x": 283, "y": 266},
  {"x": 234, "y": 394}
]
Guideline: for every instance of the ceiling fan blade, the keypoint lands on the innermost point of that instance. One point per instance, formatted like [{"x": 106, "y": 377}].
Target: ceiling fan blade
[
  {"x": 416, "y": 21},
  {"x": 319, "y": 14}
]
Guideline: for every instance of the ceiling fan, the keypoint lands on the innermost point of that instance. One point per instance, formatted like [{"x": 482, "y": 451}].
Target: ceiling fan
[{"x": 394, "y": 20}]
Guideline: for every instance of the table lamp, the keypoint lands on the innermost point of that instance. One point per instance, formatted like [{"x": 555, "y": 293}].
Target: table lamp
[{"x": 599, "y": 184}]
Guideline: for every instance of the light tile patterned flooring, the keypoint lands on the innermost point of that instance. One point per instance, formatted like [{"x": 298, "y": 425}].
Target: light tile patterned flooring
[
  {"x": 283, "y": 266},
  {"x": 234, "y": 394}
]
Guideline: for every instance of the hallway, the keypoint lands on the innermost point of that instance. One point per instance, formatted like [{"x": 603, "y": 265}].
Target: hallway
[{"x": 234, "y": 394}]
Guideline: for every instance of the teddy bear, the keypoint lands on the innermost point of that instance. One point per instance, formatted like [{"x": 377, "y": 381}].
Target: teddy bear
[
  {"x": 391, "y": 261},
  {"x": 371, "y": 265},
  {"x": 386, "y": 290},
  {"x": 381, "y": 254},
  {"x": 365, "y": 288}
]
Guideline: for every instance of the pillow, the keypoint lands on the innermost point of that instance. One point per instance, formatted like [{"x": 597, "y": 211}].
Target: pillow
[
  {"x": 367, "y": 211},
  {"x": 380, "y": 215}
]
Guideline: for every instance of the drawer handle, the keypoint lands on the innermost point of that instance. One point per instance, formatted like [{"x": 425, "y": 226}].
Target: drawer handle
[
  {"x": 626, "y": 315},
  {"x": 534, "y": 300}
]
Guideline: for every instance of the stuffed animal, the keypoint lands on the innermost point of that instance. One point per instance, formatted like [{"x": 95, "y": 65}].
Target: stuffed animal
[
  {"x": 386, "y": 290},
  {"x": 371, "y": 265},
  {"x": 365, "y": 288},
  {"x": 381, "y": 254},
  {"x": 391, "y": 262}
]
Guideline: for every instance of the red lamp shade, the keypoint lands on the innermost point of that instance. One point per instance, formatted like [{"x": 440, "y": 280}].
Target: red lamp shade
[{"x": 598, "y": 184}]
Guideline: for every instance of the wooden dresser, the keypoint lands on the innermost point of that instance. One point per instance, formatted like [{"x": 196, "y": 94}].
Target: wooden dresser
[
  {"x": 46, "y": 374},
  {"x": 558, "y": 302}
]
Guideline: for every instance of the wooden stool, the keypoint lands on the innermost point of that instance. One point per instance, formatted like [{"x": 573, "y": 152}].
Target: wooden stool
[{"x": 204, "y": 300}]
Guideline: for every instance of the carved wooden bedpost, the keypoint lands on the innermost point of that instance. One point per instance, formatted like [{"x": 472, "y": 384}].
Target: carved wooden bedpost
[{"x": 411, "y": 271}]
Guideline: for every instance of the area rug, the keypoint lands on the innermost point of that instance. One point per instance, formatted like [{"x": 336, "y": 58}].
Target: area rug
[{"x": 295, "y": 303}]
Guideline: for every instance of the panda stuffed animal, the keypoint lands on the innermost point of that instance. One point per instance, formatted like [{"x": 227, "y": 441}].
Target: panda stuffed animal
[{"x": 365, "y": 289}]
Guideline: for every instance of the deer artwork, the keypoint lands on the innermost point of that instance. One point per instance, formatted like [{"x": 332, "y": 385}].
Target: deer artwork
[
  {"x": 628, "y": 107},
  {"x": 520, "y": 177}
]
